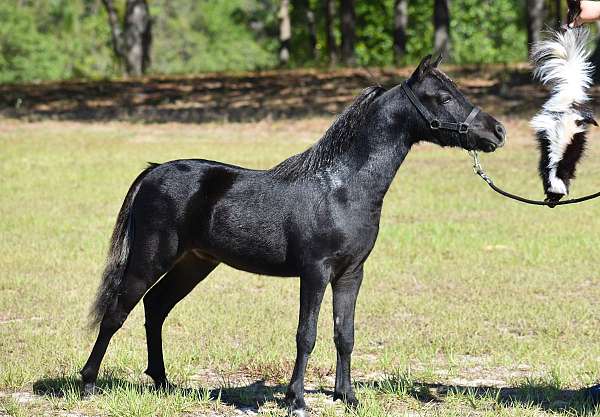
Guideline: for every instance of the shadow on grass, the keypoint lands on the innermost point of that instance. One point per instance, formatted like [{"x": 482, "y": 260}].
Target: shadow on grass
[
  {"x": 252, "y": 395},
  {"x": 545, "y": 396},
  {"x": 249, "y": 397}
]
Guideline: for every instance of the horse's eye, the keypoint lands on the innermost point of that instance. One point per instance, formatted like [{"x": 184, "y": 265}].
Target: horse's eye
[{"x": 445, "y": 99}]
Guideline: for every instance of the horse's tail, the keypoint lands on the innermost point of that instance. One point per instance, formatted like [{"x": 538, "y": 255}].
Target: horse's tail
[
  {"x": 118, "y": 254},
  {"x": 562, "y": 62}
]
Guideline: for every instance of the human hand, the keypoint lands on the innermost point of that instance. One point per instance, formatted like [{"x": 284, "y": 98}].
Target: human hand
[{"x": 589, "y": 11}]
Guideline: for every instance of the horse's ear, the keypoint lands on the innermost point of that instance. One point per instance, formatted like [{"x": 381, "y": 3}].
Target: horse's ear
[
  {"x": 423, "y": 67},
  {"x": 437, "y": 61}
]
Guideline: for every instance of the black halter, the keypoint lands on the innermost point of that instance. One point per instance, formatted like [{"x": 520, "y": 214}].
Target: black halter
[{"x": 436, "y": 124}]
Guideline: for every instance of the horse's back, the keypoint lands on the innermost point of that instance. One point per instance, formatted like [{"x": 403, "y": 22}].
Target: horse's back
[
  {"x": 176, "y": 184},
  {"x": 236, "y": 215}
]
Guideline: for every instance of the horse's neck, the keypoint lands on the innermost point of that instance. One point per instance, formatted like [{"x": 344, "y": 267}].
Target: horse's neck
[
  {"x": 370, "y": 164},
  {"x": 373, "y": 168},
  {"x": 377, "y": 173}
]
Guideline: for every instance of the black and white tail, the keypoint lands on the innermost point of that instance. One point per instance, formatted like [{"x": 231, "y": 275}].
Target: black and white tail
[
  {"x": 118, "y": 254},
  {"x": 562, "y": 63}
]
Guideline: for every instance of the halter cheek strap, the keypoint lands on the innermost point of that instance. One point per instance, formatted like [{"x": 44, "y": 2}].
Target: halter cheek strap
[{"x": 436, "y": 124}]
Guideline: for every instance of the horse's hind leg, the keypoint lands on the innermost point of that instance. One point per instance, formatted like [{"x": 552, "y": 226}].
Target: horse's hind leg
[
  {"x": 158, "y": 302},
  {"x": 147, "y": 265},
  {"x": 112, "y": 321}
]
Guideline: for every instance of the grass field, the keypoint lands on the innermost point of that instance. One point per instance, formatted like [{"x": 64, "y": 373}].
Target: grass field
[{"x": 472, "y": 305}]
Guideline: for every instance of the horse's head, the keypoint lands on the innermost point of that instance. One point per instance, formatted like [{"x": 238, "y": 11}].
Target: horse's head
[{"x": 447, "y": 117}]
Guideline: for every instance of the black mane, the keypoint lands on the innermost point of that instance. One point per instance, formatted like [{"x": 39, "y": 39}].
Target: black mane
[{"x": 334, "y": 142}]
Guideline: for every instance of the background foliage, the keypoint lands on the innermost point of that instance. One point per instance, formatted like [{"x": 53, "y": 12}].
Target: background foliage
[
  {"x": 65, "y": 39},
  {"x": 53, "y": 39}
]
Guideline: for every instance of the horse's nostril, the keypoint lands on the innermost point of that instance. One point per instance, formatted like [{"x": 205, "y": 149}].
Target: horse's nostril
[{"x": 500, "y": 131}]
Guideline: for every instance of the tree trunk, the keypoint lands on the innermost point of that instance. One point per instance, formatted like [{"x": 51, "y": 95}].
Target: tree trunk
[
  {"x": 308, "y": 18},
  {"x": 400, "y": 25},
  {"x": 557, "y": 6},
  {"x": 312, "y": 31},
  {"x": 132, "y": 40},
  {"x": 285, "y": 32},
  {"x": 441, "y": 24},
  {"x": 115, "y": 28},
  {"x": 348, "y": 23},
  {"x": 330, "y": 44},
  {"x": 536, "y": 12},
  {"x": 138, "y": 37}
]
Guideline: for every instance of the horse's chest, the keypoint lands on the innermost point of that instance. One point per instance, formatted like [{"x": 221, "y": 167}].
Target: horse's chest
[{"x": 344, "y": 234}]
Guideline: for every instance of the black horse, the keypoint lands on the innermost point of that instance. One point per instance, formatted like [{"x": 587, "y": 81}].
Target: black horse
[{"x": 315, "y": 215}]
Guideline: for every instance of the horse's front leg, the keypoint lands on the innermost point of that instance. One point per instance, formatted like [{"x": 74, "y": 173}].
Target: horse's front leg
[
  {"x": 312, "y": 288},
  {"x": 345, "y": 292}
]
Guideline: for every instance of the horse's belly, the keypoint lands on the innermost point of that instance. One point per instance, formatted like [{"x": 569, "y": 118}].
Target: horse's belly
[
  {"x": 251, "y": 239},
  {"x": 252, "y": 259},
  {"x": 258, "y": 253},
  {"x": 262, "y": 268}
]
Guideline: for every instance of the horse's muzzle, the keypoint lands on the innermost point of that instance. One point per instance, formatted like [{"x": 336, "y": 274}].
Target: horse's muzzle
[{"x": 500, "y": 133}]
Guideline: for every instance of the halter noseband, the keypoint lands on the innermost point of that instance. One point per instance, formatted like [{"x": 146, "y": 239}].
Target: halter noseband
[{"x": 436, "y": 124}]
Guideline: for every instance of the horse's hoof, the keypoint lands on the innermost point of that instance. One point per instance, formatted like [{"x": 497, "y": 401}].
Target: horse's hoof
[
  {"x": 593, "y": 394},
  {"x": 351, "y": 403},
  {"x": 89, "y": 388},
  {"x": 300, "y": 412},
  {"x": 348, "y": 399},
  {"x": 165, "y": 386},
  {"x": 296, "y": 405}
]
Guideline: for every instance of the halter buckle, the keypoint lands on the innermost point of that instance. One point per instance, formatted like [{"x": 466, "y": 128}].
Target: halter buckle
[
  {"x": 435, "y": 124},
  {"x": 463, "y": 128}
]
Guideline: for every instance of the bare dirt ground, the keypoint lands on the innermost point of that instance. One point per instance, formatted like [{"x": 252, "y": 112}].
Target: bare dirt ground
[{"x": 506, "y": 90}]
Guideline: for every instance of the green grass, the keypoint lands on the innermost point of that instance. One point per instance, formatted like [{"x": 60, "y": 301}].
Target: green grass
[{"x": 465, "y": 292}]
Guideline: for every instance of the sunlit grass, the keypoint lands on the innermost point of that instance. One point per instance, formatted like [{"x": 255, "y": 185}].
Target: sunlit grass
[{"x": 464, "y": 293}]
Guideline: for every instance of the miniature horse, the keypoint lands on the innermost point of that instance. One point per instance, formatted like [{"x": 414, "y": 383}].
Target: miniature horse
[{"x": 315, "y": 215}]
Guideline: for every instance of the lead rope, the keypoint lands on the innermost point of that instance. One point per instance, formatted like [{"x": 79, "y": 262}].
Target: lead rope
[{"x": 478, "y": 169}]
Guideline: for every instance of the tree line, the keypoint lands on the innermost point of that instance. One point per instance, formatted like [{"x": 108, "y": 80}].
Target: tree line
[
  {"x": 538, "y": 14},
  {"x": 61, "y": 39}
]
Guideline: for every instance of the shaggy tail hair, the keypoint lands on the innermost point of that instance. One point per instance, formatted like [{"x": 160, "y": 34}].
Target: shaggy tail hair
[
  {"x": 561, "y": 62},
  {"x": 118, "y": 254}
]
